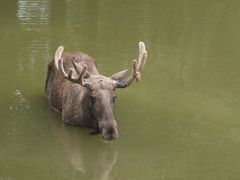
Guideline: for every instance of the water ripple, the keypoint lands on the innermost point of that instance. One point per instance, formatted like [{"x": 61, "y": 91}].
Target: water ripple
[
  {"x": 19, "y": 101},
  {"x": 33, "y": 13}
]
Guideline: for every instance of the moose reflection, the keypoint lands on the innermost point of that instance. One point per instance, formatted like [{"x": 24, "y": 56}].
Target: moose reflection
[
  {"x": 84, "y": 97},
  {"x": 88, "y": 158}
]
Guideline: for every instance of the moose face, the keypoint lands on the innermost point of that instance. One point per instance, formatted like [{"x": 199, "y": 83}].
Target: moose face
[{"x": 101, "y": 97}]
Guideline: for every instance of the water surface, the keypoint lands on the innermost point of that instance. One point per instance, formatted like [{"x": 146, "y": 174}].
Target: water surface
[{"x": 181, "y": 122}]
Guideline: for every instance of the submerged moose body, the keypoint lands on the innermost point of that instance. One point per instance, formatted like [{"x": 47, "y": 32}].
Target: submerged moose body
[{"x": 83, "y": 96}]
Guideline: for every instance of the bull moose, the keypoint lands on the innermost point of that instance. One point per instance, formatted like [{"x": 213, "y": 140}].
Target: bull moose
[{"x": 75, "y": 88}]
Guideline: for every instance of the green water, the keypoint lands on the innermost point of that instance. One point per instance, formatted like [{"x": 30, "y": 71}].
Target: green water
[{"x": 182, "y": 122}]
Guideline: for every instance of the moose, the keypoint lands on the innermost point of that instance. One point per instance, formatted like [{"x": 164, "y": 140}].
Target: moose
[{"x": 75, "y": 88}]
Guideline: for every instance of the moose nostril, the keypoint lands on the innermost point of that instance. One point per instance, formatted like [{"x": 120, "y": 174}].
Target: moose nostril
[{"x": 111, "y": 130}]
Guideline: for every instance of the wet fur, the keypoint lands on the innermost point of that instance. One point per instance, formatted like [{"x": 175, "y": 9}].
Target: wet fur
[{"x": 68, "y": 98}]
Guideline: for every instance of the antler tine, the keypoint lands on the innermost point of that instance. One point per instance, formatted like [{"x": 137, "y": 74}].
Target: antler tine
[
  {"x": 141, "y": 60},
  {"x": 81, "y": 75},
  {"x": 58, "y": 55},
  {"x": 59, "y": 66},
  {"x": 137, "y": 67},
  {"x": 142, "y": 56},
  {"x": 133, "y": 73}
]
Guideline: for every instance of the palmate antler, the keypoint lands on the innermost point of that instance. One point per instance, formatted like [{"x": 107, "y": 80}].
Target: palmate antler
[
  {"x": 137, "y": 67},
  {"x": 58, "y": 61}
]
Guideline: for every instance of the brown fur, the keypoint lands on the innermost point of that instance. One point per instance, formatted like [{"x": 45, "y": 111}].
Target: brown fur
[
  {"x": 87, "y": 98},
  {"x": 65, "y": 96},
  {"x": 73, "y": 100}
]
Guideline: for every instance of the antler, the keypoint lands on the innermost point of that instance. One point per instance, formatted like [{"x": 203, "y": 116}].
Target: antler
[
  {"x": 137, "y": 67},
  {"x": 58, "y": 61}
]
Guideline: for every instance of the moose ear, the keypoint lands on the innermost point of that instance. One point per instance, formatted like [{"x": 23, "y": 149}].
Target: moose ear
[{"x": 120, "y": 75}]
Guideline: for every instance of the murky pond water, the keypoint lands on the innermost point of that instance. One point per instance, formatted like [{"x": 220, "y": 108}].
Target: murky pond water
[{"x": 181, "y": 122}]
